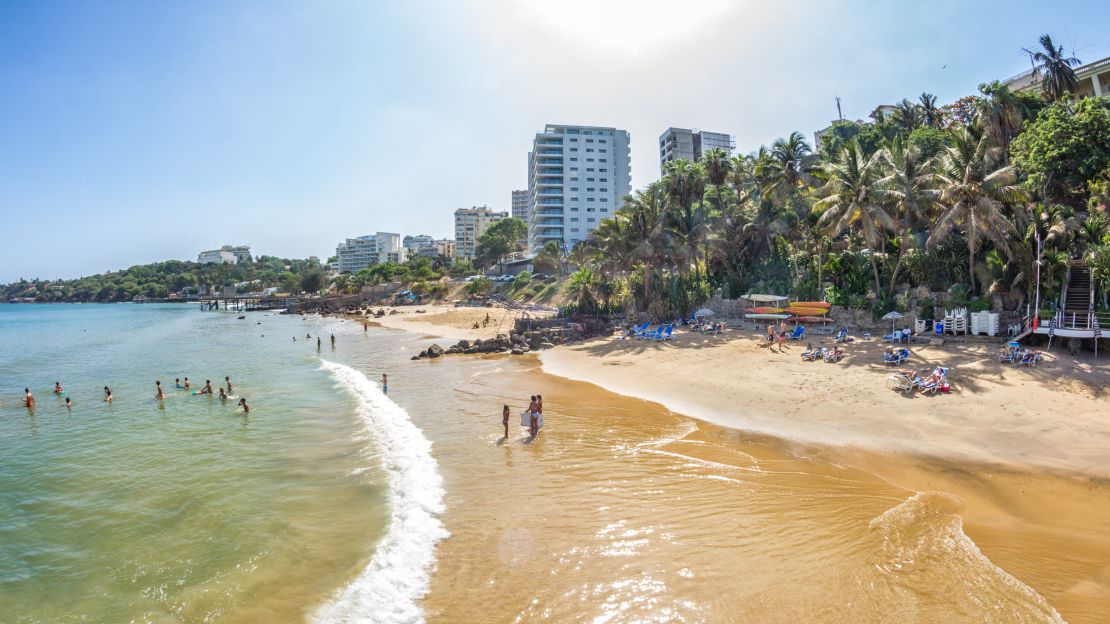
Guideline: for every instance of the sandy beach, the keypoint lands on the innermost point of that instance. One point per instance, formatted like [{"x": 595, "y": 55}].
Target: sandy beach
[
  {"x": 1051, "y": 416},
  {"x": 448, "y": 321}
]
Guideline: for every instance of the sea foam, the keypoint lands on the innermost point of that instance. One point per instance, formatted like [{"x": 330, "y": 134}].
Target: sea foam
[{"x": 389, "y": 589}]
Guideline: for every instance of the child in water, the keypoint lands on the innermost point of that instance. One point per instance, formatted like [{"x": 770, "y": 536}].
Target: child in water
[
  {"x": 223, "y": 395},
  {"x": 58, "y": 387},
  {"x": 161, "y": 394},
  {"x": 243, "y": 404},
  {"x": 107, "y": 394},
  {"x": 69, "y": 403}
]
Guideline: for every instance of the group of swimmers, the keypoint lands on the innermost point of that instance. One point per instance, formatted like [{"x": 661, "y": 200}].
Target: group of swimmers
[
  {"x": 532, "y": 418},
  {"x": 160, "y": 394},
  {"x": 318, "y": 343}
]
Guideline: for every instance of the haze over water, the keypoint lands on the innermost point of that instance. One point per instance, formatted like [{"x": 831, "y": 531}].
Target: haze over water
[{"x": 329, "y": 501}]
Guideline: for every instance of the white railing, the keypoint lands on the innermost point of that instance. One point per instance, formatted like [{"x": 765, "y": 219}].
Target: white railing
[{"x": 1073, "y": 320}]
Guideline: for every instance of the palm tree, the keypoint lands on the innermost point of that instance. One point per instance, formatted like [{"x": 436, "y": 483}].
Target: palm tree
[
  {"x": 852, "y": 201},
  {"x": 1000, "y": 114},
  {"x": 793, "y": 159},
  {"x": 929, "y": 110},
  {"x": 718, "y": 168},
  {"x": 973, "y": 189},
  {"x": 685, "y": 185},
  {"x": 908, "y": 187},
  {"x": 908, "y": 116},
  {"x": 1056, "y": 69},
  {"x": 550, "y": 255}
]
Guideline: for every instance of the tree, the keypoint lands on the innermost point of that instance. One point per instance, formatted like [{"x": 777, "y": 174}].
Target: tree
[
  {"x": 549, "y": 259},
  {"x": 1067, "y": 146},
  {"x": 312, "y": 280},
  {"x": 930, "y": 114},
  {"x": 929, "y": 141},
  {"x": 852, "y": 201},
  {"x": 908, "y": 187},
  {"x": 501, "y": 239},
  {"x": 1055, "y": 67},
  {"x": 908, "y": 117},
  {"x": 973, "y": 187}
]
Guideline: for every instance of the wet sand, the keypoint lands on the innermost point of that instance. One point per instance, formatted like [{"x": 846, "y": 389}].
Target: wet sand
[{"x": 624, "y": 511}]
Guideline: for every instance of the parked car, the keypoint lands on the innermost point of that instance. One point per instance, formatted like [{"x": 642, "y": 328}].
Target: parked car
[
  {"x": 539, "y": 276},
  {"x": 473, "y": 277}
]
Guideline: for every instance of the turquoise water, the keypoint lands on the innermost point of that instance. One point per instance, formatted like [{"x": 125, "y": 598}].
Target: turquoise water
[{"x": 185, "y": 509}]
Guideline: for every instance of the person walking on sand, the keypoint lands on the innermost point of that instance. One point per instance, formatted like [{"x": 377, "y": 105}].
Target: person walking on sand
[
  {"x": 28, "y": 398},
  {"x": 782, "y": 336},
  {"x": 161, "y": 394},
  {"x": 243, "y": 404},
  {"x": 771, "y": 334},
  {"x": 227, "y": 380},
  {"x": 107, "y": 394},
  {"x": 505, "y": 420}
]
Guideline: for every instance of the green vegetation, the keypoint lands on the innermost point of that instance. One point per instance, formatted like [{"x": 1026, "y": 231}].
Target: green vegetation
[
  {"x": 952, "y": 198},
  {"x": 499, "y": 240}
]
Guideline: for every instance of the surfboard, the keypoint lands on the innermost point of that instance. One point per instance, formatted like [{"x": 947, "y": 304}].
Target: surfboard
[{"x": 767, "y": 316}]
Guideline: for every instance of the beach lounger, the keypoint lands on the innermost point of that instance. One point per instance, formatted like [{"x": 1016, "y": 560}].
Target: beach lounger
[
  {"x": 812, "y": 356},
  {"x": 653, "y": 334},
  {"x": 833, "y": 355},
  {"x": 842, "y": 335},
  {"x": 904, "y": 381},
  {"x": 1030, "y": 358},
  {"x": 799, "y": 333},
  {"x": 936, "y": 381},
  {"x": 896, "y": 357},
  {"x": 666, "y": 334}
]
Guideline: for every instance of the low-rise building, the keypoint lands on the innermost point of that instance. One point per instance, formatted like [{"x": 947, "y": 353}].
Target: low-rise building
[
  {"x": 359, "y": 253},
  {"x": 419, "y": 246},
  {"x": 445, "y": 247},
  {"x": 1092, "y": 79},
  {"x": 216, "y": 256}
]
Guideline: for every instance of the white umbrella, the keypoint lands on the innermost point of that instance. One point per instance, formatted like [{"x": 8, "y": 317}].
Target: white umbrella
[
  {"x": 893, "y": 317},
  {"x": 704, "y": 312}
]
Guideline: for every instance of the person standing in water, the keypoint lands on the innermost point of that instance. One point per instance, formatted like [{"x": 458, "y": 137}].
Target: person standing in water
[
  {"x": 107, "y": 394},
  {"x": 505, "y": 420},
  {"x": 207, "y": 389},
  {"x": 187, "y": 385},
  {"x": 161, "y": 394},
  {"x": 28, "y": 398},
  {"x": 243, "y": 404},
  {"x": 58, "y": 387},
  {"x": 385, "y": 384},
  {"x": 227, "y": 380},
  {"x": 223, "y": 395},
  {"x": 69, "y": 403},
  {"x": 317, "y": 343},
  {"x": 333, "y": 341}
]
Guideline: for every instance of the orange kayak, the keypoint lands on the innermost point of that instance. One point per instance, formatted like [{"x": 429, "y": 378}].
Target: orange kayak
[
  {"x": 801, "y": 311},
  {"x": 811, "y": 304},
  {"x": 766, "y": 310}
]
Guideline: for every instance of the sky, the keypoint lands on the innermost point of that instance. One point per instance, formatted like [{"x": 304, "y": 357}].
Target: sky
[{"x": 134, "y": 132}]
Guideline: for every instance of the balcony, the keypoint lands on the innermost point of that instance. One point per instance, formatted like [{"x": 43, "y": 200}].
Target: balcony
[
  {"x": 549, "y": 221},
  {"x": 549, "y": 202},
  {"x": 549, "y": 212}
]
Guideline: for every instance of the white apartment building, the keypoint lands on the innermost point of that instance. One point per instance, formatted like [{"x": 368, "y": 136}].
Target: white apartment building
[
  {"x": 577, "y": 176},
  {"x": 691, "y": 145},
  {"x": 419, "y": 246},
  {"x": 359, "y": 253},
  {"x": 520, "y": 205},
  {"x": 228, "y": 254},
  {"x": 469, "y": 225},
  {"x": 445, "y": 247}
]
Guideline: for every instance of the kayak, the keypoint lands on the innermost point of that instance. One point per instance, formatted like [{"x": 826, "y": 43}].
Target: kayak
[
  {"x": 799, "y": 311},
  {"x": 812, "y": 319},
  {"x": 766, "y": 310},
  {"x": 777, "y": 317},
  {"x": 811, "y": 304}
]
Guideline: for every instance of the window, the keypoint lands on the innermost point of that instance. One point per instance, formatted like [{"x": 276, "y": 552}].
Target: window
[
  {"x": 601, "y": 170},
  {"x": 604, "y": 190},
  {"x": 591, "y": 220},
  {"x": 602, "y": 151},
  {"x": 573, "y": 229},
  {"x": 603, "y": 180},
  {"x": 574, "y": 188},
  {"x": 591, "y": 189},
  {"x": 574, "y": 208},
  {"x": 604, "y": 199},
  {"x": 574, "y": 169},
  {"x": 591, "y": 210},
  {"x": 589, "y": 199},
  {"x": 590, "y": 159},
  {"x": 574, "y": 160},
  {"x": 601, "y": 140},
  {"x": 574, "y": 140},
  {"x": 589, "y": 140},
  {"x": 573, "y": 199},
  {"x": 575, "y": 149},
  {"x": 604, "y": 209},
  {"x": 589, "y": 149},
  {"x": 574, "y": 219},
  {"x": 574, "y": 179},
  {"x": 603, "y": 160}
]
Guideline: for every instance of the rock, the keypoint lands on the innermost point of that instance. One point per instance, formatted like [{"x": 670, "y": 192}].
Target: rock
[
  {"x": 415, "y": 357},
  {"x": 546, "y": 345},
  {"x": 435, "y": 351},
  {"x": 463, "y": 344},
  {"x": 423, "y": 354},
  {"x": 517, "y": 351},
  {"x": 453, "y": 350},
  {"x": 472, "y": 350}
]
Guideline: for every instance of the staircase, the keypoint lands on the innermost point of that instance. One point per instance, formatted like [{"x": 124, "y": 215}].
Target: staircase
[{"x": 1078, "y": 296}]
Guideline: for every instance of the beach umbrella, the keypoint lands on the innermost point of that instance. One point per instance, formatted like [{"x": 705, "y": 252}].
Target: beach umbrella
[
  {"x": 704, "y": 312},
  {"x": 893, "y": 317}
]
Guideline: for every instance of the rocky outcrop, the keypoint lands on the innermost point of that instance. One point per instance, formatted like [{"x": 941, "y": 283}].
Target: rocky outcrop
[{"x": 520, "y": 342}]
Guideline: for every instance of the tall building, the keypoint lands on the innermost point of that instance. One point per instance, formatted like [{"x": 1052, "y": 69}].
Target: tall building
[
  {"x": 229, "y": 254},
  {"x": 356, "y": 254},
  {"x": 520, "y": 205},
  {"x": 419, "y": 246},
  {"x": 577, "y": 176},
  {"x": 691, "y": 145},
  {"x": 469, "y": 225}
]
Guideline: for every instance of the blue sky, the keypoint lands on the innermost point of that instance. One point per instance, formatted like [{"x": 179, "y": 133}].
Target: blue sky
[{"x": 132, "y": 132}]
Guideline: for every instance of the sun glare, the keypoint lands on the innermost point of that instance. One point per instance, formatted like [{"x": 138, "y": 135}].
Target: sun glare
[{"x": 630, "y": 26}]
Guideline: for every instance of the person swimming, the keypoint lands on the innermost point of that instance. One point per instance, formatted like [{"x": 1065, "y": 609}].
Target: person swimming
[
  {"x": 69, "y": 403},
  {"x": 107, "y": 394},
  {"x": 243, "y": 404},
  {"x": 227, "y": 380},
  {"x": 177, "y": 382},
  {"x": 28, "y": 398},
  {"x": 207, "y": 389},
  {"x": 160, "y": 393},
  {"x": 308, "y": 336},
  {"x": 58, "y": 387},
  {"x": 187, "y": 384},
  {"x": 223, "y": 395}
]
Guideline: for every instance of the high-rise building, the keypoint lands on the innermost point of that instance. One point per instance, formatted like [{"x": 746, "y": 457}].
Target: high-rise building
[
  {"x": 691, "y": 145},
  {"x": 445, "y": 247},
  {"x": 356, "y": 254},
  {"x": 520, "y": 205},
  {"x": 469, "y": 225},
  {"x": 577, "y": 176}
]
